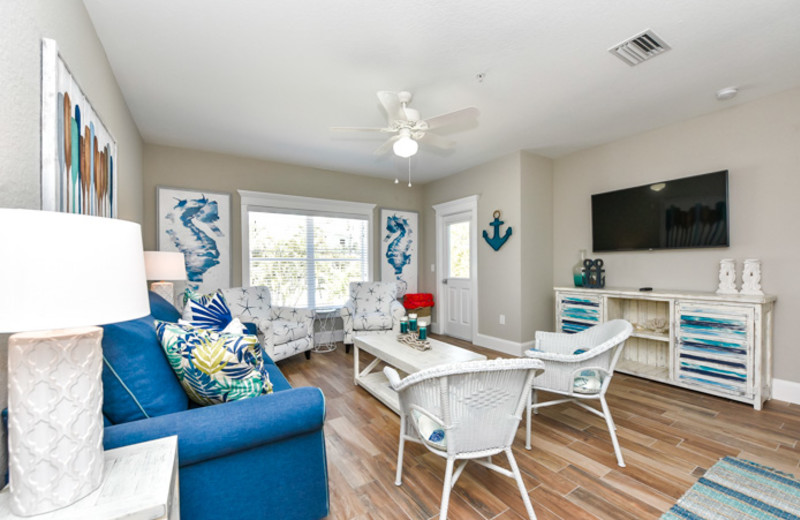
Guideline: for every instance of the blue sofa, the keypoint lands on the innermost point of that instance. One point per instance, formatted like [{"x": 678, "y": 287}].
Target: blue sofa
[{"x": 255, "y": 458}]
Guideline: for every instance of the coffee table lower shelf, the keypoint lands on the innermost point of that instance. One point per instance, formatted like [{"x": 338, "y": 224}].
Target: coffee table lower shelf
[{"x": 378, "y": 385}]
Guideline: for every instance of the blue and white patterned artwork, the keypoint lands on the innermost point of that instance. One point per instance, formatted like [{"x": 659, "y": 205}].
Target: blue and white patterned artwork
[
  {"x": 197, "y": 223},
  {"x": 399, "y": 240}
]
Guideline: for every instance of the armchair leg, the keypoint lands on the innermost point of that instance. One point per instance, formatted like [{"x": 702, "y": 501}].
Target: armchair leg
[
  {"x": 347, "y": 348},
  {"x": 448, "y": 479},
  {"x": 528, "y": 422},
  {"x": 520, "y": 484},
  {"x": 612, "y": 431},
  {"x": 308, "y": 354},
  {"x": 398, "y": 480}
]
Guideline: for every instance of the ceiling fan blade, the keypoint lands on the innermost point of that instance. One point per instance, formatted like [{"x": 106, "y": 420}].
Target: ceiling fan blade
[
  {"x": 360, "y": 129},
  {"x": 437, "y": 141},
  {"x": 387, "y": 145},
  {"x": 391, "y": 103},
  {"x": 459, "y": 116}
]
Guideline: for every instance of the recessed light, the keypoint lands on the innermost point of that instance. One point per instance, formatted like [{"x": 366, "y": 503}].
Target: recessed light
[{"x": 726, "y": 93}]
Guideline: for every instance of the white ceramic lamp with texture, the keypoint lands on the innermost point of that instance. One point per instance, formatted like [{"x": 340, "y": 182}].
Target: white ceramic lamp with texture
[
  {"x": 62, "y": 275},
  {"x": 164, "y": 267}
]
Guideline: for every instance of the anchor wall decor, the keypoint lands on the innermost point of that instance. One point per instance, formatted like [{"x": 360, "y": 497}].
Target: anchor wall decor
[{"x": 497, "y": 241}]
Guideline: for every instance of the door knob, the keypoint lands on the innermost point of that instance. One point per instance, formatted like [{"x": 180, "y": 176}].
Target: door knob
[{"x": 444, "y": 281}]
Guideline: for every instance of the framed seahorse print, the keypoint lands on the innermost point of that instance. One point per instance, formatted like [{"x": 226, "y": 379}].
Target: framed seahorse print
[
  {"x": 399, "y": 247},
  {"x": 198, "y": 224}
]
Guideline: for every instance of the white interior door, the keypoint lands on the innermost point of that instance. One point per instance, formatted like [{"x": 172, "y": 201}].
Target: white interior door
[{"x": 457, "y": 279}]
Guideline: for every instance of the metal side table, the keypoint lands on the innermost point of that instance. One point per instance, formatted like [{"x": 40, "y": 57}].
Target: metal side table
[{"x": 326, "y": 317}]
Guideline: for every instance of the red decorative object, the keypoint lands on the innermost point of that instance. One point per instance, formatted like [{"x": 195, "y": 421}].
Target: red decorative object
[{"x": 417, "y": 300}]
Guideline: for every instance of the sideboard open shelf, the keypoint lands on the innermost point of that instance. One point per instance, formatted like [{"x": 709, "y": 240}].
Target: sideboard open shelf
[{"x": 717, "y": 344}]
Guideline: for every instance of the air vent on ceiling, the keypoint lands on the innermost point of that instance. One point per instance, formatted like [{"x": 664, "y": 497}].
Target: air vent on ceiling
[{"x": 641, "y": 47}]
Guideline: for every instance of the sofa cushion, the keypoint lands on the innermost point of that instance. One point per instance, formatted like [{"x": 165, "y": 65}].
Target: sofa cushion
[
  {"x": 214, "y": 367},
  {"x": 372, "y": 321},
  {"x": 163, "y": 310},
  {"x": 137, "y": 379},
  {"x": 207, "y": 311}
]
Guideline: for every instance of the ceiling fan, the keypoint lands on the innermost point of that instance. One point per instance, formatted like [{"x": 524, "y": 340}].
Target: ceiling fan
[{"x": 407, "y": 126}]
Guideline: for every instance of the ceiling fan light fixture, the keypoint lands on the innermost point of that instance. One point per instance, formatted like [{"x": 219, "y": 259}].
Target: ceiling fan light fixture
[{"x": 405, "y": 147}]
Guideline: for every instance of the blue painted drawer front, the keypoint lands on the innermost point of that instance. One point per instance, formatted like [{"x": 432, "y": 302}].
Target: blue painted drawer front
[
  {"x": 712, "y": 348},
  {"x": 578, "y": 313},
  {"x": 571, "y": 327}
]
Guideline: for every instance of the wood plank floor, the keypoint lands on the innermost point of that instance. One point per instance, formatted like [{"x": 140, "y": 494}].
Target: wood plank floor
[{"x": 669, "y": 437}]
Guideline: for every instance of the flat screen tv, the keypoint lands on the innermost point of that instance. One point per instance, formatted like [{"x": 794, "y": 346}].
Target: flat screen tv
[{"x": 682, "y": 213}]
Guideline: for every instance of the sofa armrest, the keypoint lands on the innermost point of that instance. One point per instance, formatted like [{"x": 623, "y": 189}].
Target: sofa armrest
[
  {"x": 348, "y": 309},
  {"x": 224, "y": 429}
]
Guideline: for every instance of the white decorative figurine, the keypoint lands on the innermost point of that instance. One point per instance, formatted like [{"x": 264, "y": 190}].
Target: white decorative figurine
[
  {"x": 751, "y": 277},
  {"x": 727, "y": 277}
]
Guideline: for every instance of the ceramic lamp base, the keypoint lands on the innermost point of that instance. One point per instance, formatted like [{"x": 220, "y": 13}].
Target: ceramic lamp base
[
  {"x": 163, "y": 289},
  {"x": 55, "y": 420}
]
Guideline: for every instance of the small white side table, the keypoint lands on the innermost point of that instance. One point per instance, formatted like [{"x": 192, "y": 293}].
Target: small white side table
[
  {"x": 140, "y": 482},
  {"x": 326, "y": 317}
]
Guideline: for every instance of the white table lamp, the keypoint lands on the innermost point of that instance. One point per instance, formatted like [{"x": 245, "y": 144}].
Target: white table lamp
[
  {"x": 61, "y": 275},
  {"x": 163, "y": 266}
]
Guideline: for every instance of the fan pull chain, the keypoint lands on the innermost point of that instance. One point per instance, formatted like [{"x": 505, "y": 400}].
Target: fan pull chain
[{"x": 409, "y": 172}]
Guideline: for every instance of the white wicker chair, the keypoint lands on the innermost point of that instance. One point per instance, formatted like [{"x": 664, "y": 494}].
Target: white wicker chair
[
  {"x": 565, "y": 370},
  {"x": 477, "y": 405}
]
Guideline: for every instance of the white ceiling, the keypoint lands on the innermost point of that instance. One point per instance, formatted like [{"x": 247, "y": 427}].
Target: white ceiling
[{"x": 267, "y": 79}]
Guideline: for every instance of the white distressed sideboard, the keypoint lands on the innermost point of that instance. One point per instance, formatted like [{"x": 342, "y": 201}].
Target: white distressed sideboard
[{"x": 717, "y": 344}]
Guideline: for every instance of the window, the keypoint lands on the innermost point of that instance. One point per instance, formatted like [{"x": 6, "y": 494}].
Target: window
[{"x": 307, "y": 251}]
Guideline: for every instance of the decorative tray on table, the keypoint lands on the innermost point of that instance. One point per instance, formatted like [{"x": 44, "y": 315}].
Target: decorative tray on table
[{"x": 412, "y": 340}]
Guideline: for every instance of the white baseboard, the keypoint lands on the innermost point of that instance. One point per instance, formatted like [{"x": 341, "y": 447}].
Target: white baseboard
[
  {"x": 786, "y": 390},
  {"x": 512, "y": 348}
]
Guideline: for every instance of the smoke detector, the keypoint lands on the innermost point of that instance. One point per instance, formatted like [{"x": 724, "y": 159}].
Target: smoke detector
[
  {"x": 640, "y": 48},
  {"x": 727, "y": 93}
]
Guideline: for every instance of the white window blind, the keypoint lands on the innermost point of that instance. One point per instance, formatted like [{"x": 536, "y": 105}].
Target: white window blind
[{"x": 307, "y": 259}]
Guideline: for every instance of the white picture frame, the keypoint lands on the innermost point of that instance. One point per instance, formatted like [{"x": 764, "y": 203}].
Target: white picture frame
[
  {"x": 79, "y": 160},
  {"x": 399, "y": 242},
  {"x": 198, "y": 224}
]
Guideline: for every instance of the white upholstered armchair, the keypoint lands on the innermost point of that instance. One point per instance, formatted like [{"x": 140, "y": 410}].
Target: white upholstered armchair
[
  {"x": 282, "y": 331},
  {"x": 372, "y": 309},
  {"x": 579, "y": 366}
]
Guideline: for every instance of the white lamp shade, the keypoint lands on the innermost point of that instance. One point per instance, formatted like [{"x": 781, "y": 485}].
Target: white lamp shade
[
  {"x": 164, "y": 265},
  {"x": 61, "y": 270},
  {"x": 405, "y": 147}
]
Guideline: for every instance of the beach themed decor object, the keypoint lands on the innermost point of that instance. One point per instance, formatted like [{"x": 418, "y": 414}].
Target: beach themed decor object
[
  {"x": 496, "y": 241},
  {"x": 399, "y": 257},
  {"x": 594, "y": 276},
  {"x": 92, "y": 271},
  {"x": 727, "y": 277},
  {"x": 751, "y": 277},
  {"x": 79, "y": 154},
  {"x": 197, "y": 224},
  {"x": 577, "y": 270}
]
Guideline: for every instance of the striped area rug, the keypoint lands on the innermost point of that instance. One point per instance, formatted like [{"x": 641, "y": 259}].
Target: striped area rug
[{"x": 738, "y": 489}]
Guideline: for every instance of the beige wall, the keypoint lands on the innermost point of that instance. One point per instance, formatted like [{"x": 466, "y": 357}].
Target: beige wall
[
  {"x": 195, "y": 169},
  {"x": 759, "y": 143},
  {"x": 23, "y": 23},
  {"x": 511, "y": 281},
  {"x": 497, "y": 185},
  {"x": 536, "y": 190}
]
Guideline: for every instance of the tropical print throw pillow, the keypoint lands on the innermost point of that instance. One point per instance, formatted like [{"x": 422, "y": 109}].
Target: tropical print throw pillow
[
  {"x": 213, "y": 367},
  {"x": 207, "y": 311}
]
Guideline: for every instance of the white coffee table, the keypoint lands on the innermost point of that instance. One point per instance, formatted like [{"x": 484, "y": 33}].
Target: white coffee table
[{"x": 389, "y": 351}]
